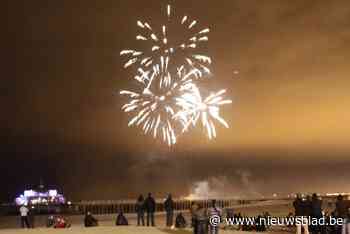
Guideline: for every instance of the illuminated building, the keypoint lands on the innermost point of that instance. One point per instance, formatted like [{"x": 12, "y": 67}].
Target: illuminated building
[{"x": 40, "y": 196}]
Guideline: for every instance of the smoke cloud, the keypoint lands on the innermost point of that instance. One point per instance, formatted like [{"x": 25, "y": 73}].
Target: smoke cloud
[{"x": 241, "y": 185}]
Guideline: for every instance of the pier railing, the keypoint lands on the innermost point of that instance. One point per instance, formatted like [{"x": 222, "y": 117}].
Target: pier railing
[
  {"x": 128, "y": 206},
  {"x": 115, "y": 206}
]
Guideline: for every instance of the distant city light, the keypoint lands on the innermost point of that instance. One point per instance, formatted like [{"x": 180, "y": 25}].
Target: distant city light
[
  {"x": 29, "y": 193},
  {"x": 43, "y": 198}
]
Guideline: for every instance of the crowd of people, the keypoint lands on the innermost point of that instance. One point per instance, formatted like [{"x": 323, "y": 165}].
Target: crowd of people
[
  {"x": 27, "y": 219},
  {"x": 145, "y": 208},
  {"x": 201, "y": 219},
  {"x": 148, "y": 206},
  {"x": 311, "y": 206},
  {"x": 91, "y": 221}
]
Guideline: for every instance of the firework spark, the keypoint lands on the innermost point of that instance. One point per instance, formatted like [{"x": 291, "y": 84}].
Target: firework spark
[
  {"x": 162, "y": 48},
  {"x": 155, "y": 110},
  {"x": 207, "y": 110},
  {"x": 170, "y": 102}
]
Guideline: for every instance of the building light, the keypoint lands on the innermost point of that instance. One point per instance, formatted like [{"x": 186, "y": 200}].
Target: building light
[{"x": 52, "y": 193}]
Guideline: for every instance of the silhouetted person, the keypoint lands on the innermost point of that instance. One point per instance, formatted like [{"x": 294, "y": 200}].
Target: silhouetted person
[
  {"x": 300, "y": 207},
  {"x": 50, "y": 221},
  {"x": 31, "y": 217},
  {"x": 229, "y": 213},
  {"x": 214, "y": 211},
  {"x": 180, "y": 221},
  {"x": 346, "y": 225},
  {"x": 193, "y": 210},
  {"x": 150, "y": 206},
  {"x": 121, "y": 220},
  {"x": 341, "y": 208},
  {"x": 326, "y": 229},
  {"x": 23, "y": 210},
  {"x": 90, "y": 221},
  {"x": 334, "y": 229},
  {"x": 316, "y": 206},
  {"x": 259, "y": 224},
  {"x": 201, "y": 220},
  {"x": 316, "y": 213},
  {"x": 289, "y": 216},
  {"x": 169, "y": 209},
  {"x": 308, "y": 206},
  {"x": 247, "y": 225},
  {"x": 239, "y": 217},
  {"x": 308, "y": 211},
  {"x": 140, "y": 210},
  {"x": 267, "y": 215}
]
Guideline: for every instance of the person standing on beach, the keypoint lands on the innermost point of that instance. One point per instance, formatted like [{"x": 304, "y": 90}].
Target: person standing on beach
[
  {"x": 301, "y": 213},
  {"x": 201, "y": 220},
  {"x": 346, "y": 224},
  {"x": 31, "y": 216},
  {"x": 140, "y": 210},
  {"x": 214, "y": 211},
  {"x": 308, "y": 211},
  {"x": 193, "y": 210},
  {"x": 169, "y": 209},
  {"x": 317, "y": 213},
  {"x": 24, "y": 216},
  {"x": 150, "y": 206},
  {"x": 341, "y": 208}
]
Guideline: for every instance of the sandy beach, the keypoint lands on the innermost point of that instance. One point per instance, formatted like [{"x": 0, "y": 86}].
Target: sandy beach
[
  {"x": 115, "y": 230},
  {"x": 9, "y": 225}
]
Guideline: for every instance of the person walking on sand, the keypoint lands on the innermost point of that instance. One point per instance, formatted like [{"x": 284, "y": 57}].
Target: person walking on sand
[
  {"x": 150, "y": 206},
  {"x": 169, "y": 209},
  {"x": 140, "y": 210},
  {"x": 23, "y": 210}
]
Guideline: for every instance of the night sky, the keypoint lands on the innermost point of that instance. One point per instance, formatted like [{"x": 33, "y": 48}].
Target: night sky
[{"x": 61, "y": 120}]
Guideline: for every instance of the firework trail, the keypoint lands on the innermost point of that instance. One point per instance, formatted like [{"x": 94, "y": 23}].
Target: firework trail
[
  {"x": 152, "y": 114},
  {"x": 155, "y": 109},
  {"x": 162, "y": 49},
  {"x": 170, "y": 102},
  {"x": 207, "y": 110}
]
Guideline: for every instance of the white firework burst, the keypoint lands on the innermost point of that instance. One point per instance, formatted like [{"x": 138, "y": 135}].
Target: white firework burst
[
  {"x": 162, "y": 49},
  {"x": 154, "y": 110},
  {"x": 194, "y": 108},
  {"x": 170, "y": 102}
]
